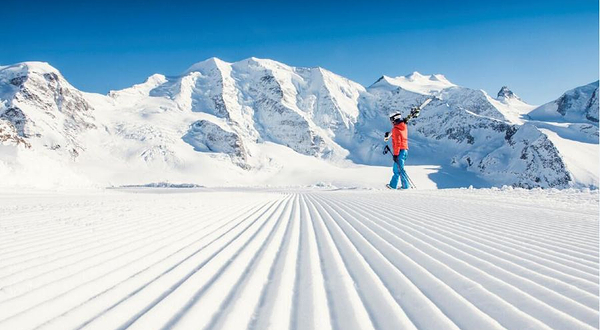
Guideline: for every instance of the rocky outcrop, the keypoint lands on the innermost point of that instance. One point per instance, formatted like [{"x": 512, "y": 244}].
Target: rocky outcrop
[
  {"x": 206, "y": 136},
  {"x": 10, "y": 136},
  {"x": 528, "y": 159},
  {"x": 506, "y": 93}
]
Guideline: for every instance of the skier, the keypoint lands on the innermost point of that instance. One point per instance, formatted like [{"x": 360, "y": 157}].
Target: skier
[{"x": 399, "y": 137}]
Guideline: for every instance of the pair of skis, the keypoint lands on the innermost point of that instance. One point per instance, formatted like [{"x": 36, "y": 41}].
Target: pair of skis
[{"x": 414, "y": 113}]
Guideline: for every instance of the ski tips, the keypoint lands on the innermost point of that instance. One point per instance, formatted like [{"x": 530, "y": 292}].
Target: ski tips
[{"x": 427, "y": 101}]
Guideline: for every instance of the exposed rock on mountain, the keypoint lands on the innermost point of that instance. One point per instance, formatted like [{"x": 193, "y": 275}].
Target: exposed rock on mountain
[
  {"x": 206, "y": 136},
  {"x": 10, "y": 136},
  {"x": 506, "y": 93}
]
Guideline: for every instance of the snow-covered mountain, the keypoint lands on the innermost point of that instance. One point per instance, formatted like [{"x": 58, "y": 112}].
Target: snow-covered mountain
[
  {"x": 43, "y": 108},
  {"x": 576, "y": 105},
  {"x": 468, "y": 128},
  {"x": 571, "y": 123},
  {"x": 258, "y": 100},
  {"x": 245, "y": 122}
]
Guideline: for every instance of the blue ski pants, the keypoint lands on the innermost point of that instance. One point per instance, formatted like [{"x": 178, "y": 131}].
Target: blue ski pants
[{"x": 399, "y": 171}]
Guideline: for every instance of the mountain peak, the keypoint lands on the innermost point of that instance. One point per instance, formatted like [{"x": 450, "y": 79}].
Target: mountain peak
[
  {"x": 385, "y": 81},
  {"x": 264, "y": 62},
  {"x": 25, "y": 68},
  {"x": 40, "y": 67},
  {"x": 209, "y": 63},
  {"x": 414, "y": 76},
  {"x": 506, "y": 93}
]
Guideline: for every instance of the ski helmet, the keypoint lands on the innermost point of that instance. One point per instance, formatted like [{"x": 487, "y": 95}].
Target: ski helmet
[{"x": 396, "y": 118}]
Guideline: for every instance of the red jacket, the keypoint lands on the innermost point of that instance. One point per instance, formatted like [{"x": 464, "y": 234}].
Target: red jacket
[{"x": 399, "y": 138}]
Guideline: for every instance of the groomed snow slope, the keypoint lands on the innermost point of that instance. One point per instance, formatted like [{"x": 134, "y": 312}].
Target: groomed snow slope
[{"x": 299, "y": 259}]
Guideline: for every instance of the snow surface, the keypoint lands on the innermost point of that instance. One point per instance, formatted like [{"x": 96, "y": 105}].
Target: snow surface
[
  {"x": 248, "y": 195},
  {"x": 306, "y": 258}
]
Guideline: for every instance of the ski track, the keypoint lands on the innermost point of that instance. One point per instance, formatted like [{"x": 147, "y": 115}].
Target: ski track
[{"x": 295, "y": 259}]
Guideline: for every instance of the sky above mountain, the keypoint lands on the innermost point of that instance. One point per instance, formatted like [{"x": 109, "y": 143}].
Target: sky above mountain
[{"x": 538, "y": 48}]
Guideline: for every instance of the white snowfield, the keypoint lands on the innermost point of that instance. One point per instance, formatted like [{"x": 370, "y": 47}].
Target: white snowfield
[{"x": 299, "y": 259}]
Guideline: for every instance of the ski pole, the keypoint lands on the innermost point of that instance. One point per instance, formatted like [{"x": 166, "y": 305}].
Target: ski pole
[{"x": 410, "y": 181}]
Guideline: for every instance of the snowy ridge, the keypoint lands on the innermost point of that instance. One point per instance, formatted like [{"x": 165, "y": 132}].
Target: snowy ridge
[
  {"x": 577, "y": 105},
  {"x": 299, "y": 260},
  {"x": 140, "y": 89},
  {"x": 415, "y": 82}
]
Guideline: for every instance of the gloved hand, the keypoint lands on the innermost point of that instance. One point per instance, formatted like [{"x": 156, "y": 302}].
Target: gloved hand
[
  {"x": 414, "y": 112},
  {"x": 395, "y": 158},
  {"x": 386, "y": 136}
]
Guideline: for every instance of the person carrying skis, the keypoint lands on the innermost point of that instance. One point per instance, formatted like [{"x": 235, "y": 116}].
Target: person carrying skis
[{"x": 399, "y": 137}]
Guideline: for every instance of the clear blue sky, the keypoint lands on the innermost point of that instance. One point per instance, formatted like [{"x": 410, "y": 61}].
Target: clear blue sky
[{"x": 538, "y": 48}]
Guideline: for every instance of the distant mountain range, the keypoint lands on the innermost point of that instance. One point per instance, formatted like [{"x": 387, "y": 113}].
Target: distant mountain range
[{"x": 255, "y": 116}]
